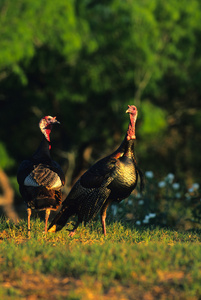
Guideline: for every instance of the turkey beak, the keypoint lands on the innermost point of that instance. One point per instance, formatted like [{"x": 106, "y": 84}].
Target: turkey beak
[
  {"x": 132, "y": 110},
  {"x": 128, "y": 110},
  {"x": 55, "y": 120}
]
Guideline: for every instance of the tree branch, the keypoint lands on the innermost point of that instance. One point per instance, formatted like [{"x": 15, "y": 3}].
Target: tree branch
[{"x": 7, "y": 198}]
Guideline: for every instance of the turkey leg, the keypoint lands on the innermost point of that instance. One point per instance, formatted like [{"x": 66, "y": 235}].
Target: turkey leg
[
  {"x": 47, "y": 213},
  {"x": 29, "y": 215},
  {"x": 72, "y": 232},
  {"x": 103, "y": 215}
]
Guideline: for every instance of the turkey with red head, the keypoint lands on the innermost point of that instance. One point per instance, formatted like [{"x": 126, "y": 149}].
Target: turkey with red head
[
  {"x": 112, "y": 178},
  {"x": 40, "y": 178}
]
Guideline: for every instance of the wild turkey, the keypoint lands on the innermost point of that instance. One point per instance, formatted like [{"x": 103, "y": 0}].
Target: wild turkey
[
  {"x": 40, "y": 178},
  {"x": 112, "y": 178}
]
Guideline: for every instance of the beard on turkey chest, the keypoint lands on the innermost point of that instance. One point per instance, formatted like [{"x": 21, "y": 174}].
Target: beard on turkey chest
[{"x": 125, "y": 179}]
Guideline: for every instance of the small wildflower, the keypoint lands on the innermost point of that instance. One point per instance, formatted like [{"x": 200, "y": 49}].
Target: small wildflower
[
  {"x": 152, "y": 215},
  {"x": 146, "y": 217},
  {"x": 170, "y": 177},
  {"x": 138, "y": 222},
  {"x": 130, "y": 202},
  {"x": 141, "y": 202},
  {"x": 188, "y": 197},
  {"x": 149, "y": 174},
  {"x": 138, "y": 195},
  {"x": 195, "y": 186},
  {"x": 175, "y": 186},
  {"x": 114, "y": 210},
  {"x": 161, "y": 184},
  {"x": 178, "y": 195},
  {"x": 145, "y": 221},
  {"x": 191, "y": 190}
]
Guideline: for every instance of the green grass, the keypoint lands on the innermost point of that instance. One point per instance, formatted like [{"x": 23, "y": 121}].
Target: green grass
[{"x": 154, "y": 262}]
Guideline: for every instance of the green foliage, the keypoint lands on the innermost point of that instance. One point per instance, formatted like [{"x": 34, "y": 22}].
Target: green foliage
[
  {"x": 5, "y": 160},
  {"x": 155, "y": 120},
  {"x": 84, "y": 61},
  {"x": 165, "y": 203},
  {"x": 26, "y": 26}
]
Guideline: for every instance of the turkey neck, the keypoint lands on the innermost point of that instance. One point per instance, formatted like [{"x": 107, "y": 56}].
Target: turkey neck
[
  {"x": 127, "y": 146},
  {"x": 131, "y": 128},
  {"x": 43, "y": 151},
  {"x": 130, "y": 137},
  {"x": 129, "y": 149}
]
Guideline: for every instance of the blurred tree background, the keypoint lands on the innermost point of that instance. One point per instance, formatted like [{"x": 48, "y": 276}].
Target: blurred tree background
[{"x": 84, "y": 61}]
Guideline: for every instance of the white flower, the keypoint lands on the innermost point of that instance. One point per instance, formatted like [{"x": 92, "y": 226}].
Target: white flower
[
  {"x": 195, "y": 186},
  {"x": 141, "y": 202},
  {"x": 152, "y": 215},
  {"x": 138, "y": 222},
  {"x": 145, "y": 221},
  {"x": 130, "y": 202},
  {"x": 146, "y": 217},
  {"x": 170, "y": 177},
  {"x": 114, "y": 210},
  {"x": 175, "y": 186},
  {"x": 161, "y": 184},
  {"x": 149, "y": 174},
  {"x": 191, "y": 190},
  {"x": 178, "y": 195},
  {"x": 188, "y": 197}
]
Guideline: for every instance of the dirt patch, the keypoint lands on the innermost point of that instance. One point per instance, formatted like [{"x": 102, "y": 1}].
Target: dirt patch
[
  {"x": 38, "y": 286},
  {"x": 32, "y": 286}
]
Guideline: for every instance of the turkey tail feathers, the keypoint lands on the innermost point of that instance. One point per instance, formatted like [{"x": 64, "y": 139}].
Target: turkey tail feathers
[
  {"x": 94, "y": 201},
  {"x": 61, "y": 219},
  {"x": 92, "y": 204},
  {"x": 141, "y": 179}
]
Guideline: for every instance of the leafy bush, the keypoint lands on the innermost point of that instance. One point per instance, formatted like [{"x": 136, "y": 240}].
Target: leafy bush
[{"x": 164, "y": 203}]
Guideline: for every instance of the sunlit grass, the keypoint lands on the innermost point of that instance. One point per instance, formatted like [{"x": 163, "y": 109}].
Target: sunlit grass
[{"x": 128, "y": 256}]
